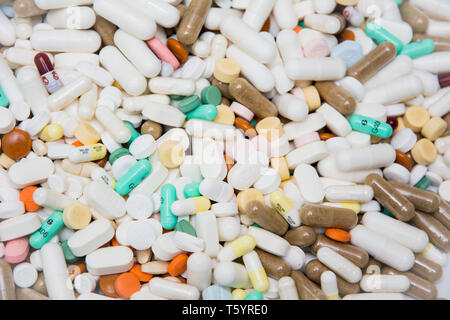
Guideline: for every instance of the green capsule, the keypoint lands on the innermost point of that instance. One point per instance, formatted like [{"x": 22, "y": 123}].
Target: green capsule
[
  {"x": 423, "y": 184},
  {"x": 418, "y": 49},
  {"x": 254, "y": 295},
  {"x": 256, "y": 225},
  {"x": 189, "y": 103},
  {"x": 301, "y": 24},
  {"x": 191, "y": 190},
  {"x": 134, "y": 133},
  {"x": 118, "y": 153},
  {"x": 186, "y": 227},
  {"x": 204, "y": 112},
  {"x": 380, "y": 35},
  {"x": 398, "y": 2},
  {"x": 3, "y": 98},
  {"x": 254, "y": 122},
  {"x": 48, "y": 229},
  {"x": 133, "y": 177},
  {"x": 386, "y": 212},
  {"x": 370, "y": 126},
  {"x": 168, "y": 196},
  {"x": 211, "y": 95},
  {"x": 68, "y": 254}
]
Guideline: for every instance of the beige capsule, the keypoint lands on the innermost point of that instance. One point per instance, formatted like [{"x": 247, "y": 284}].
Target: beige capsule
[
  {"x": 307, "y": 290},
  {"x": 7, "y": 286},
  {"x": 439, "y": 235},
  {"x": 419, "y": 288},
  {"x": 268, "y": 218},
  {"x": 302, "y": 236},
  {"x": 427, "y": 269},
  {"x": 443, "y": 213},
  {"x": 106, "y": 30},
  {"x": 192, "y": 21},
  {"x": 414, "y": 17},
  {"x": 422, "y": 200},
  {"x": 314, "y": 215},
  {"x": 336, "y": 96},
  {"x": 274, "y": 266},
  {"x": 29, "y": 294}
]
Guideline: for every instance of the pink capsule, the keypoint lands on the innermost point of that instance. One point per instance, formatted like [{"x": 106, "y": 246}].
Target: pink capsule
[{"x": 162, "y": 52}]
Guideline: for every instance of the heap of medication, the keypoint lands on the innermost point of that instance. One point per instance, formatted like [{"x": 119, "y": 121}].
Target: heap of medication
[{"x": 226, "y": 149}]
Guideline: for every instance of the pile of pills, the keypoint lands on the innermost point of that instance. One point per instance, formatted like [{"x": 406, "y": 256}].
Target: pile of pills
[{"x": 224, "y": 149}]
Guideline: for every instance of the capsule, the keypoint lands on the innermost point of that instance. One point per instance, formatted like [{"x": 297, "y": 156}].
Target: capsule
[
  {"x": 384, "y": 283},
  {"x": 192, "y": 21},
  {"x": 266, "y": 217},
  {"x": 381, "y": 35},
  {"x": 373, "y": 62},
  {"x": 256, "y": 272},
  {"x": 443, "y": 213},
  {"x": 133, "y": 177},
  {"x": 438, "y": 233},
  {"x": 231, "y": 274},
  {"x": 306, "y": 289},
  {"x": 370, "y": 126},
  {"x": 414, "y": 17},
  {"x": 237, "y": 248},
  {"x": 285, "y": 206},
  {"x": 87, "y": 153},
  {"x": 390, "y": 198},
  {"x": 355, "y": 254},
  {"x": 274, "y": 266},
  {"x": 422, "y": 200},
  {"x": 314, "y": 215},
  {"x": 302, "y": 236},
  {"x": 427, "y": 269},
  {"x": 342, "y": 266},
  {"x": 7, "y": 286},
  {"x": 314, "y": 270},
  {"x": 168, "y": 196},
  {"x": 337, "y": 97},
  {"x": 49, "y": 76},
  {"x": 48, "y": 230},
  {"x": 328, "y": 283},
  {"x": 190, "y": 206},
  {"x": 287, "y": 289},
  {"x": 440, "y": 43},
  {"x": 249, "y": 96},
  {"x": 419, "y": 288}
]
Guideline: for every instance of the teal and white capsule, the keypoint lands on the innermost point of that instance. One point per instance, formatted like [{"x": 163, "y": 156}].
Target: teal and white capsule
[
  {"x": 370, "y": 126},
  {"x": 133, "y": 177},
  {"x": 380, "y": 35},
  {"x": 48, "y": 230},
  {"x": 190, "y": 206},
  {"x": 418, "y": 49},
  {"x": 168, "y": 197},
  {"x": 191, "y": 190}
]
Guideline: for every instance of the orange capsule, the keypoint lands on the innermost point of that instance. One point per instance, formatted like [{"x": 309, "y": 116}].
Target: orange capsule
[
  {"x": 77, "y": 144},
  {"x": 338, "y": 234},
  {"x": 297, "y": 29},
  {"x": 326, "y": 136},
  {"x": 246, "y": 127},
  {"x": 403, "y": 159},
  {"x": 177, "y": 49},
  {"x": 347, "y": 35},
  {"x": 266, "y": 25}
]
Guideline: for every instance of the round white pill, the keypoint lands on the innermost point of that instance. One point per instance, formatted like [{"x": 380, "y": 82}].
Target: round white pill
[
  {"x": 57, "y": 183},
  {"x": 140, "y": 235},
  {"x": 143, "y": 146},
  {"x": 74, "y": 189},
  {"x": 269, "y": 181},
  {"x": 25, "y": 275},
  {"x": 139, "y": 206},
  {"x": 35, "y": 260},
  {"x": 84, "y": 283},
  {"x": 122, "y": 232},
  {"x": 20, "y": 109},
  {"x": 404, "y": 140},
  {"x": 122, "y": 165}
]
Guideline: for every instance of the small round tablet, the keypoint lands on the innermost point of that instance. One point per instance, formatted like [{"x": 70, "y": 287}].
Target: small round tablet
[
  {"x": 84, "y": 283},
  {"x": 122, "y": 165},
  {"x": 143, "y": 146},
  {"x": 122, "y": 233},
  {"x": 140, "y": 235},
  {"x": 139, "y": 206},
  {"x": 25, "y": 275},
  {"x": 156, "y": 226}
]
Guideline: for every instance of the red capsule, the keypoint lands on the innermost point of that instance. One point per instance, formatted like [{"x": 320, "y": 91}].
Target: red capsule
[
  {"x": 444, "y": 79},
  {"x": 393, "y": 122},
  {"x": 48, "y": 74}
]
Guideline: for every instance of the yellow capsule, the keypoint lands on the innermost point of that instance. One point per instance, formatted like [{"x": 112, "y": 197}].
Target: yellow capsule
[
  {"x": 355, "y": 206},
  {"x": 190, "y": 206},
  {"x": 88, "y": 153},
  {"x": 238, "y": 294},
  {"x": 243, "y": 245},
  {"x": 201, "y": 204},
  {"x": 282, "y": 203},
  {"x": 52, "y": 132},
  {"x": 256, "y": 272}
]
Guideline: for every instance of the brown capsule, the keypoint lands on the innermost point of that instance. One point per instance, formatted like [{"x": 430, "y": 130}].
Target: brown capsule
[
  {"x": 427, "y": 269},
  {"x": 306, "y": 289},
  {"x": 249, "y": 96},
  {"x": 314, "y": 270},
  {"x": 302, "y": 236},
  {"x": 414, "y": 17},
  {"x": 182, "y": 10},
  {"x": 178, "y": 50},
  {"x": 439, "y": 235},
  {"x": 223, "y": 87},
  {"x": 7, "y": 286},
  {"x": 106, "y": 285},
  {"x": 27, "y": 8},
  {"x": 151, "y": 127},
  {"x": 193, "y": 20},
  {"x": 355, "y": 254},
  {"x": 315, "y": 215},
  {"x": 29, "y": 294},
  {"x": 342, "y": 22},
  {"x": 372, "y": 262},
  {"x": 419, "y": 288},
  {"x": 336, "y": 96},
  {"x": 275, "y": 266},
  {"x": 391, "y": 199},
  {"x": 39, "y": 285},
  {"x": 373, "y": 62},
  {"x": 440, "y": 43},
  {"x": 443, "y": 213},
  {"x": 422, "y": 200},
  {"x": 268, "y": 218},
  {"x": 106, "y": 30}
]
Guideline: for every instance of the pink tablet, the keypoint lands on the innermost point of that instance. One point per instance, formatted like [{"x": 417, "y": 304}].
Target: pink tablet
[
  {"x": 242, "y": 111},
  {"x": 306, "y": 138},
  {"x": 16, "y": 250},
  {"x": 162, "y": 52}
]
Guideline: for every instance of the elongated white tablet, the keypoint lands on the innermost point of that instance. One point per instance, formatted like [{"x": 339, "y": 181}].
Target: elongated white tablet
[
  {"x": 19, "y": 226},
  {"x": 307, "y": 154},
  {"x": 313, "y": 122},
  {"x": 31, "y": 171},
  {"x": 92, "y": 237},
  {"x": 171, "y": 86},
  {"x": 335, "y": 121},
  {"x": 318, "y": 69},
  {"x": 109, "y": 260},
  {"x": 164, "y": 114},
  {"x": 309, "y": 184},
  {"x": 12, "y": 208},
  {"x": 173, "y": 290},
  {"x": 105, "y": 200},
  {"x": 206, "y": 227}
]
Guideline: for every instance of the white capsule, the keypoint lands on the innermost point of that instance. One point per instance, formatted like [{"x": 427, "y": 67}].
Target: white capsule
[
  {"x": 328, "y": 284},
  {"x": 231, "y": 274},
  {"x": 366, "y": 158},
  {"x": 358, "y": 193},
  {"x": 287, "y": 289},
  {"x": 318, "y": 69},
  {"x": 342, "y": 266},
  {"x": 384, "y": 283},
  {"x": 173, "y": 290}
]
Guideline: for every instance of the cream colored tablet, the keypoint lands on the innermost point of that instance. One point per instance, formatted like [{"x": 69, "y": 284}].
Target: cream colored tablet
[{"x": 90, "y": 238}]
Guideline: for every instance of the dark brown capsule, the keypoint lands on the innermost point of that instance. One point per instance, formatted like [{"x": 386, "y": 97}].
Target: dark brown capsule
[
  {"x": 422, "y": 200},
  {"x": 192, "y": 21},
  {"x": 315, "y": 215},
  {"x": 302, "y": 236},
  {"x": 427, "y": 269},
  {"x": 268, "y": 218},
  {"x": 274, "y": 266},
  {"x": 306, "y": 289},
  {"x": 439, "y": 235},
  {"x": 336, "y": 96},
  {"x": 223, "y": 87},
  {"x": 443, "y": 213}
]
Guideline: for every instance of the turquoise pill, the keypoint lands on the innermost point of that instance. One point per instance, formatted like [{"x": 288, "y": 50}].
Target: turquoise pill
[
  {"x": 418, "y": 49},
  {"x": 370, "y": 126},
  {"x": 189, "y": 103},
  {"x": 254, "y": 122},
  {"x": 254, "y": 295},
  {"x": 216, "y": 293},
  {"x": 116, "y": 154},
  {"x": 204, "y": 112},
  {"x": 380, "y": 34},
  {"x": 176, "y": 97},
  {"x": 423, "y": 184},
  {"x": 68, "y": 254},
  {"x": 386, "y": 212},
  {"x": 191, "y": 190},
  {"x": 134, "y": 133},
  {"x": 3, "y": 98},
  {"x": 48, "y": 229},
  {"x": 133, "y": 177},
  {"x": 186, "y": 227},
  {"x": 168, "y": 196},
  {"x": 398, "y": 2},
  {"x": 211, "y": 95}
]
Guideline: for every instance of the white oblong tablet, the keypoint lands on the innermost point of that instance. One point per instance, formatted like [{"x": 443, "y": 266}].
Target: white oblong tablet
[
  {"x": 105, "y": 200},
  {"x": 308, "y": 154},
  {"x": 404, "y": 140},
  {"x": 243, "y": 175},
  {"x": 269, "y": 181},
  {"x": 417, "y": 173},
  {"x": 29, "y": 172},
  {"x": 396, "y": 172},
  {"x": 225, "y": 209},
  {"x": 10, "y": 209},
  {"x": 25, "y": 275},
  {"x": 139, "y": 206},
  {"x": 110, "y": 260},
  {"x": 309, "y": 184},
  {"x": 143, "y": 146},
  {"x": 92, "y": 237},
  {"x": 140, "y": 235},
  {"x": 19, "y": 226}
]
